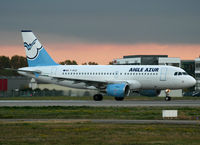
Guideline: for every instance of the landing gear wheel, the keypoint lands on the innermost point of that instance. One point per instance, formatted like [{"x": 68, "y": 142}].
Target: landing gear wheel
[
  {"x": 119, "y": 98},
  {"x": 167, "y": 98},
  {"x": 98, "y": 97}
]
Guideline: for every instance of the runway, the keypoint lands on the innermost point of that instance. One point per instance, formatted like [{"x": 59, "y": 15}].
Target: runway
[
  {"x": 104, "y": 103},
  {"x": 106, "y": 121}
]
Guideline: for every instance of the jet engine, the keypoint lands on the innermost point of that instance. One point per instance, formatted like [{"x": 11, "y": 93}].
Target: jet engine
[{"x": 118, "y": 90}]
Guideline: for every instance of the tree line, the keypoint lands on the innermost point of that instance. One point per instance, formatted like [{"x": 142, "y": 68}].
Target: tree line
[
  {"x": 73, "y": 62},
  {"x": 14, "y": 62}
]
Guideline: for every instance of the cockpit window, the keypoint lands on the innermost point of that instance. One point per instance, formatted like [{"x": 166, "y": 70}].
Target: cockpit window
[
  {"x": 184, "y": 73},
  {"x": 179, "y": 73}
]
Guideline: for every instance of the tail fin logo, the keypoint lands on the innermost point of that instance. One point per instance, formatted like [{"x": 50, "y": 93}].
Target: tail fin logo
[
  {"x": 29, "y": 46},
  {"x": 32, "y": 49}
]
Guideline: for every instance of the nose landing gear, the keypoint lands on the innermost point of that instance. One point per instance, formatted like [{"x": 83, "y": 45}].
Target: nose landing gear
[{"x": 167, "y": 98}]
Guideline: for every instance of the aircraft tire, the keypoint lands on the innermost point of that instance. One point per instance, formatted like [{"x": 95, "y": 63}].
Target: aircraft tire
[
  {"x": 119, "y": 98},
  {"x": 167, "y": 98},
  {"x": 98, "y": 97}
]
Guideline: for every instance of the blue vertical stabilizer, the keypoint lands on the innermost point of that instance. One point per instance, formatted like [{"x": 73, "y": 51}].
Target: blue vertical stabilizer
[{"x": 35, "y": 53}]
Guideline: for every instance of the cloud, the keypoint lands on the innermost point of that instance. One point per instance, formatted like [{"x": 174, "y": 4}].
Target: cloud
[{"x": 105, "y": 21}]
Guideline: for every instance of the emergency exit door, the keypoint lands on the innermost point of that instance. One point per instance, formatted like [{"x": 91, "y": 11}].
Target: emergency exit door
[{"x": 53, "y": 71}]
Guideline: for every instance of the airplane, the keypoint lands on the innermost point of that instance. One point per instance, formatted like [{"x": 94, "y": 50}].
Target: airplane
[{"x": 114, "y": 80}]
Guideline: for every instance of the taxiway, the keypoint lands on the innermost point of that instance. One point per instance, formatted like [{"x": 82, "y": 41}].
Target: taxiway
[{"x": 104, "y": 103}]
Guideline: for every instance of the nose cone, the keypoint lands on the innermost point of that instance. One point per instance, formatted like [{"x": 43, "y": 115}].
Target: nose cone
[{"x": 191, "y": 82}]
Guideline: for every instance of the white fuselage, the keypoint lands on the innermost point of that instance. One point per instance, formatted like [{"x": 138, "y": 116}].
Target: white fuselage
[{"x": 137, "y": 76}]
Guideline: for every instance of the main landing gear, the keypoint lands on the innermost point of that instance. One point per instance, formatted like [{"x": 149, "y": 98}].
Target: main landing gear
[
  {"x": 98, "y": 97},
  {"x": 167, "y": 98},
  {"x": 119, "y": 98}
]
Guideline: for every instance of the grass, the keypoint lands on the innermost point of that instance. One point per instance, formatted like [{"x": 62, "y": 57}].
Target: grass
[
  {"x": 98, "y": 134},
  {"x": 91, "y": 98},
  {"x": 72, "y": 112}
]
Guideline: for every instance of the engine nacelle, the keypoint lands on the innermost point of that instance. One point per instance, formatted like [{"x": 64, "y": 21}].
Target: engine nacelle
[
  {"x": 118, "y": 90},
  {"x": 150, "y": 93}
]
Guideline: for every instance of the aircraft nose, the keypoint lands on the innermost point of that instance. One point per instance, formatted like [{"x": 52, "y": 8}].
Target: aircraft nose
[{"x": 192, "y": 81}]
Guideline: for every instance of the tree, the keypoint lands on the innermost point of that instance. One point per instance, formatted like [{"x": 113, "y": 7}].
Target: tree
[
  {"x": 18, "y": 61},
  {"x": 90, "y": 63},
  {"x": 4, "y": 62},
  {"x": 69, "y": 62},
  {"x": 111, "y": 63}
]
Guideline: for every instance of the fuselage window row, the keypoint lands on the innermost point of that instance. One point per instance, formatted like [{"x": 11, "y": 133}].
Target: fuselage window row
[{"x": 176, "y": 73}]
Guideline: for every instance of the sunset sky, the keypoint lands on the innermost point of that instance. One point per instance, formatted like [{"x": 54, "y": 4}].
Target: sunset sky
[{"x": 102, "y": 30}]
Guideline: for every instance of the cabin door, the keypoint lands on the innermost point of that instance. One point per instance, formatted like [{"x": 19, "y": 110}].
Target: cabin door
[{"x": 163, "y": 74}]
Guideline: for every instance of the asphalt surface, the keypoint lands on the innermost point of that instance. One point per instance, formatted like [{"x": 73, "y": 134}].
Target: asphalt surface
[
  {"x": 106, "y": 121},
  {"x": 104, "y": 103}
]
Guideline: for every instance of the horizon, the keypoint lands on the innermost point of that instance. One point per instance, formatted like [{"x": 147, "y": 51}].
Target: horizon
[{"x": 106, "y": 52}]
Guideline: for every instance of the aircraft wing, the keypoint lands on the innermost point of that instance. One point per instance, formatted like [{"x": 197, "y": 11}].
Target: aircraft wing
[{"x": 89, "y": 82}]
